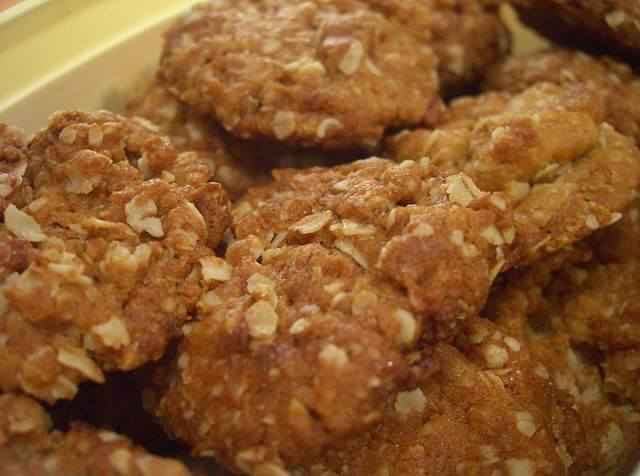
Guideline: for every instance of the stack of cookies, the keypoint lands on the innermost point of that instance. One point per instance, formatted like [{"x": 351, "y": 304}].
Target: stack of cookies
[{"x": 334, "y": 237}]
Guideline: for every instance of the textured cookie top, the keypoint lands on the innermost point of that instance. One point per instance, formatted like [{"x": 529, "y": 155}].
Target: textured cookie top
[
  {"x": 405, "y": 223},
  {"x": 29, "y": 446},
  {"x": 336, "y": 276},
  {"x": 288, "y": 356},
  {"x": 473, "y": 408},
  {"x": 567, "y": 172},
  {"x": 618, "y": 85},
  {"x": 328, "y": 73},
  {"x": 100, "y": 250}
]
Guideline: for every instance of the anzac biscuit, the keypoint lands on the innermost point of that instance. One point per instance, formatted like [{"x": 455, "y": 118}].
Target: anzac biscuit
[
  {"x": 333, "y": 74},
  {"x": 477, "y": 407},
  {"x": 579, "y": 313},
  {"x": 568, "y": 172},
  {"x": 100, "y": 246},
  {"x": 305, "y": 328}
]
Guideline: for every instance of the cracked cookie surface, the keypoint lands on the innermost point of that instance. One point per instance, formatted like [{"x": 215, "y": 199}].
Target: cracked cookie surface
[{"x": 567, "y": 172}]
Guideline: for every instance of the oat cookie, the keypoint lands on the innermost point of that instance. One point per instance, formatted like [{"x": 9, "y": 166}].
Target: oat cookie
[
  {"x": 579, "y": 313},
  {"x": 28, "y": 445},
  {"x": 604, "y": 26},
  {"x": 333, "y": 74},
  {"x": 384, "y": 215},
  {"x": 615, "y": 81},
  {"x": 568, "y": 172},
  {"x": 336, "y": 275},
  {"x": 476, "y": 407},
  {"x": 286, "y": 359},
  {"x": 467, "y": 36},
  {"x": 100, "y": 248}
]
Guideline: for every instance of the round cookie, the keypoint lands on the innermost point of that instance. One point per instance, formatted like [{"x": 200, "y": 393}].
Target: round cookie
[
  {"x": 100, "y": 249},
  {"x": 306, "y": 327},
  {"x": 615, "y": 82},
  {"x": 567, "y": 172},
  {"x": 28, "y": 445},
  {"x": 333, "y": 74},
  {"x": 382, "y": 215}
]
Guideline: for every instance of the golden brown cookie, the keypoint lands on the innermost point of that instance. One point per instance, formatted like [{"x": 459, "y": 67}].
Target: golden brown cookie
[
  {"x": 579, "y": 313},
  {"x": 404, "y": 222},
  {"x": 333, "y": 74},
  {"x": 100, "y": 248},
  {"x": 615, "y": 81},
  {"x": 305, "y": 329},
  {"x": 477, "y": 407},
  {"x": 29, "y": 446},
  {"x": 286, "y": 359},
  {"x": 568, "y": 172},
  {"x": 467, "y": 37},
  {"x": 602, "y": 26}
]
